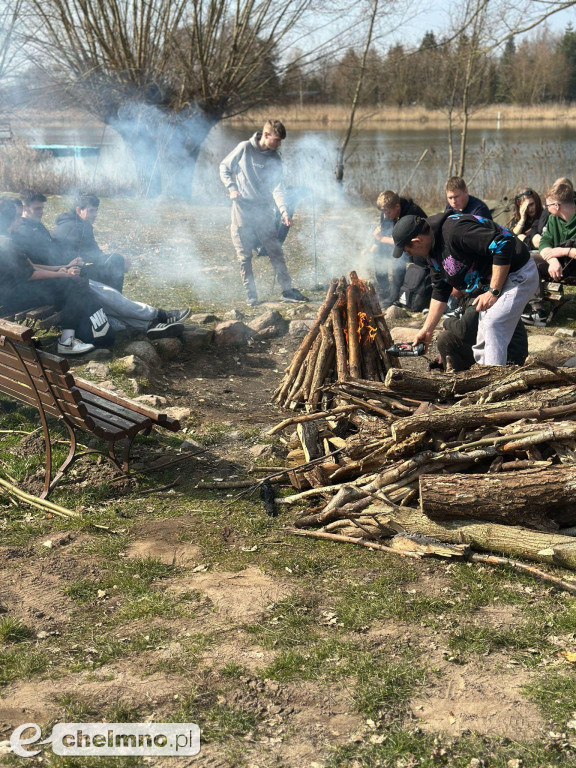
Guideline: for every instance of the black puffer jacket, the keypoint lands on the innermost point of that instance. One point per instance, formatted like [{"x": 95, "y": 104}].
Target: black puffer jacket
[{"x": 76, "y": 237}]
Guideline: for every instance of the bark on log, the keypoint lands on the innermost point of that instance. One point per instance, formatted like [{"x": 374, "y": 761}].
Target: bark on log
[
  {"x": 308, "y": 340},
  {"x": 551, "y": 403},
  {"x": 323, "y": 363},
  {"x": 354, "y": 356},
  {"x": 520, "y": 380},
  {"x": 304, "y": 390},
  {"x": 383, "y": 338},
  {"x": 308, "y": 435},
  {"x": 340, "y": 341},
  {"x": 511, "y": 540},
  {"x": 527, "y": 497},
  {"x": 428, "y": 386}
]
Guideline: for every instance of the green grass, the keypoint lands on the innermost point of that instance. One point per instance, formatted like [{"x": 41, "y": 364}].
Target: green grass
[
  {"x": 555, "y": 693},
  {"x": 14, "y": 631},
  {"x": 288, "y": 623},
  {"x": 22, "y": 663}
]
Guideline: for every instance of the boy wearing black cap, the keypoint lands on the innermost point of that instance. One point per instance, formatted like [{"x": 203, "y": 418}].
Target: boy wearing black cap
[{"x": 482, "y": 260}]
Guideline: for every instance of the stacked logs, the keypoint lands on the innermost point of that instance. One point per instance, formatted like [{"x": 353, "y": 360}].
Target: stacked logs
[
  {"x": 348, "y": 341},
  {"x": 485, "y": 458}
]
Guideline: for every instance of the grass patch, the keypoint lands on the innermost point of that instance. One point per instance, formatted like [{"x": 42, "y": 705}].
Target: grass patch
[
  {"x": 555, "y": 694},
  {"x": 14, "y": 631},
  {"x": 21, "y": 663},
  {"x": 288, "y": 623}
]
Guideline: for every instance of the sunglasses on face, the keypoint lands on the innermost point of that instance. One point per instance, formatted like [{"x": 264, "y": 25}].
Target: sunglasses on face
[{"x": 526, "y": 193}]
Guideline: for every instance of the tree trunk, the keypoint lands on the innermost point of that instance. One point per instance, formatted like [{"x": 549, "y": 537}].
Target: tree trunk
[
  {"x": 487, "y": 537},
  {"x": 429, "y": 386},
  {"x": 528, "y": 497},
  {"x": 139, "y": 129},
  {"x": 535, "y": 405}
]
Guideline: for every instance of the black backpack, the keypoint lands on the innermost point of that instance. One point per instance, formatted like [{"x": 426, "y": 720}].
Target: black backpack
[{"x": 416, "y": 290}]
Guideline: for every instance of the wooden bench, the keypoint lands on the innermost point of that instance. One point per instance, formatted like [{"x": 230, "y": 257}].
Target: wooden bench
[
  {"x": 44, "y": 381},
  {"x": 36, "y": 317}
]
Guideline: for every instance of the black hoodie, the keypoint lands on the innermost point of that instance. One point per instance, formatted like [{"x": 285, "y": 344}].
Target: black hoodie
[
  {"x": 76, "y": 237},
  {"x": 464, "y": 249}
]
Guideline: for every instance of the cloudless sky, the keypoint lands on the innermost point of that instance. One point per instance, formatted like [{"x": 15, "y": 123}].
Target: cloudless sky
[{"x": 435, "y": 17}]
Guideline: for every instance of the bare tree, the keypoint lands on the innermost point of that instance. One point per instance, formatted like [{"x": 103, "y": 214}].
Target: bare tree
[
  {"x": 163, "y": 73},
  {"x": 9, "y": 15}
]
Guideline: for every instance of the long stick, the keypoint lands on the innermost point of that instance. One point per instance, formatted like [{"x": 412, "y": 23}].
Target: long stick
[
  {"x": 35, "y": 501},
  {"x": 312, "y": 417},
  {"x": 475, "y": 558}
]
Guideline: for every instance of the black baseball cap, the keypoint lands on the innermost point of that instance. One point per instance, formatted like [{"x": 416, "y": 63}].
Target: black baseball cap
[{"x": 406, "y": 229}]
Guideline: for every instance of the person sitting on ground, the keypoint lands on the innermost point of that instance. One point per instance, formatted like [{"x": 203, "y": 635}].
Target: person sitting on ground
[
  {"x": 525, "y": 221},
  {"x": 36, "y": 242},
  {"x": 558, "y": 242},
  {"x": 74, "y": 231},
  {"x": 85, "y": 324},
  {"x": 460, "y": 201},
  {"x": 456, "y": 341},
  {"x": 392, "y": 208},
  {"x": 480, "y": 259}
]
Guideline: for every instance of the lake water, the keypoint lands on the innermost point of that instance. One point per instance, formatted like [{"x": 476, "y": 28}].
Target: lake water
[{"x": 498, "y": 161}]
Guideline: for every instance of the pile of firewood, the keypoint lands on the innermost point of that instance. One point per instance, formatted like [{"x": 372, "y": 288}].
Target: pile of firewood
[
  {"x": 348, "y": 341},
  {"x": 485, "y": 459}
]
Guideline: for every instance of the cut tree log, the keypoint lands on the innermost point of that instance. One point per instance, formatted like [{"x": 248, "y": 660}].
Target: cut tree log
[
  {"x": 511, "y": 540},
  {"x": 352, "y": 335},
  {"x": 429, "y": 386},
  {"x": 323, "y": 363},
  {"x": 527, "y": 497},
  {"x": 551, "y": 403},
  {"x": 308, "y": 435},
  {"x": 303, "y": 349}
]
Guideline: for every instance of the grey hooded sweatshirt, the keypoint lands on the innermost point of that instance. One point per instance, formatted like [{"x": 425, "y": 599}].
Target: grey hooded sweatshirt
[{"x": 255, "y": 173}]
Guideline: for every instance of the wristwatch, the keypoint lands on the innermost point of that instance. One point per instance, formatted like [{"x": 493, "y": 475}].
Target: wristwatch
[{"x": 495, "y": 292}]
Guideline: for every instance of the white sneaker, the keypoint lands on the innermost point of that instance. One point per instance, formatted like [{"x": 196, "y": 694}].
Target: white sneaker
[{"x": 73, "y": 346}]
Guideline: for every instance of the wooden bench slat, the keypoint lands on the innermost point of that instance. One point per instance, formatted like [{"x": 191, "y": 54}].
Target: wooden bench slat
[
  {"x": 130, "y": 427},
  {"x": 110, "y": 407},
  {"x": 63, "y": 381},
  {"x": 20, "y": 391},
  {"x": 157, "y": 417},
  {"x": 15, "y": 332}
]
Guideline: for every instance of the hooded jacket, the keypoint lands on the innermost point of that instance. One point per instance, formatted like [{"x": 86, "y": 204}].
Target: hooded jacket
[
  {"x": 76, "y": 237},
  {"x": 465, "y": 248},
  {"x": 255, "y": 173}
]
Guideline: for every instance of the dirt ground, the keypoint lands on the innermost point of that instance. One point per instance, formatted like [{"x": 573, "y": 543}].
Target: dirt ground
[{"x": 215, "y": 656}]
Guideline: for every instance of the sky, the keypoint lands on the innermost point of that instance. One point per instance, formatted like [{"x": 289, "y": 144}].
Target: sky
[{"x": 435, "y": 18}]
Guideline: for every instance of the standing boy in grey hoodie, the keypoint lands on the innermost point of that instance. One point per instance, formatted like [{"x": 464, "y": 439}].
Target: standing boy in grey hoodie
[{"x": 252, "y": 174}]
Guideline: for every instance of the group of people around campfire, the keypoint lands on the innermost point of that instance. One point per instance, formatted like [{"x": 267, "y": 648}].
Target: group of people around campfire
[
  {"x": 483, "y": 279},
  {"x": 66, "y": 269},
  {"x": 459, "y": 266}
]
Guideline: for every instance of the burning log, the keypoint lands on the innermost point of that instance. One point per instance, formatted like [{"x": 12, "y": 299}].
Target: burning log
[{"x": 348, "y": 341}]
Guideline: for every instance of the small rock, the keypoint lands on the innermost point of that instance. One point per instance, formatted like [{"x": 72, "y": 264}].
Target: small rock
[
  {"x": 195, "y": 336},
  {"x": 515, "y": 763},
  {"x": 134, "y": 387},
  {"x": 42, "y": 635},
  {"x": 98, "y": 370},
  {"x": 476, "y": 762},
  {"x": 261, "y": 450},
  {"x": 571, "y": 362},
  {"x": 539, "y": 342},
  {"x": 101, "y": 594},
  {"x": 168, "y": 348},
  {"x": 154, "y": 401},
  {"x": 191, "y": 445},
  {"x": 179, "y": 413},
  {"x": 231, "y": 333},
  {"x": 402, "y": 333},
  {"x": 5, "y": 748},
  {"x": 100, "y": 353},
  {"x": 298, "y": 328},
  {"x": 234, "y": 314},
  {"x": 108, "y": 384},
  {"x": 234, "y": 435},
  {"x": 395, "y": 313},
  {"x": 48, "y": 544},
  {"x": 134, "y": 366},
  {"x": 565, "y": 332},
  {"x": 204, "y": 318},
  {"x": 269, "y": 325},
  {"x": 146, "y": 352}
]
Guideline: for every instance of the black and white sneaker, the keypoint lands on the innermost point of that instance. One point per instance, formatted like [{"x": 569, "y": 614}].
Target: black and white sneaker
[
  {"x": 165, "y": 330},
  {"x": 535, "y": 317},
  {"x": 173, "y": 315},
  {"x": 294, "y": 296},
  {"x": 252, "y": 301}
]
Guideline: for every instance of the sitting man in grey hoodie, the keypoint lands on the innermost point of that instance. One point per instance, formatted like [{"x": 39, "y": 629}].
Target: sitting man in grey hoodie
[{"x": 252, "y": 174}]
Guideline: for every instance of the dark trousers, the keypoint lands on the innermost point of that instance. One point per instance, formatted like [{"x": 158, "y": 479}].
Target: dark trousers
[
  {"x": 108, "y": 270},
  {"x": 459, "y": 336},
  {"x": 69, "y": 296}
]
